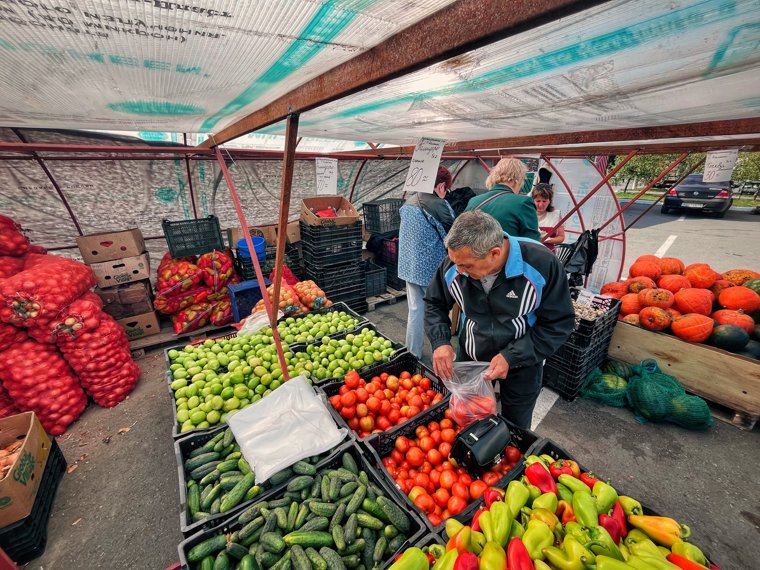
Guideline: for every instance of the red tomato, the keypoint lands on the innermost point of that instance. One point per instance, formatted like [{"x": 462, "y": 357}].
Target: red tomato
[
  {"x": 388, "y": 463},
  {"x": 361, "y": 410},
  {"x": 395, "y": 417},
  {"x": 385, "y": 408},
  {"x": 407, "y": 383},
  {"x": 513, "y": 454},
  {"x": 343, "y": 389},
  {"x": 421, "y": 431},
  {"x": 448, "y": 478},
  {"x": 372, "y": 387},
  {"x": 348, "y": 399},
  {"x": 448, "y": 435},
  {"x": 434, "y": 519},
  {"x": 362, "y": 395},
  {"x": 422, "y": 480},
  {"x": 477, "y": 488},
  {"x": 405, "y": 374},
  {"x": 373, "y": 404},
  {"x": 335, "y": 401},
  {"x": 425, "y": 383},
  {"x": 426, "y": 443},
  {"x": 352, "y": 379},
  {"x": 402, "y": 444},
  {"x": 367, "y": 423},
  {"x": 441, "y": 497},
  {"x": 456, "y": 505},
  {"x": 446, "y": 423},
  {"x": 415, "y": 456},
  {"x": 460, "y": 490},
  {"x": 353, "y": 422},
  {"x": 436, "y": 435},
  {"x": 413, "y": 411},
  {"x": 445, "y": 449},
  {"x": 465, "y": 479},
  {"x": 490, "y": 478},
  {"x": 434, "y": 457},
  {"x": 417, "y": 378},
  {"x": 396, "y": 456},
  {"x": 392, "y": 382},
  {"x": 425, "y": 503},
  {"x": 384, "y": 377},
  {"x": 347, "y": 412},
  {"x": 383, "y": 423},
  {"x": 435, "y": 477}
]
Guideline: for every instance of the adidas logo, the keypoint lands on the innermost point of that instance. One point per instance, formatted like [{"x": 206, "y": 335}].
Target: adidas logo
[{"x": 511, "y": 295}]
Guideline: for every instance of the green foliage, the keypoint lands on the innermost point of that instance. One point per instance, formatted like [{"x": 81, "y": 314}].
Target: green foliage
[
  {"x": 647, "y": 167},
  {"x": 747, "y": 167}
]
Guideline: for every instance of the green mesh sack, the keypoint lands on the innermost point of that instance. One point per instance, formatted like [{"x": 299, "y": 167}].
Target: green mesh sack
[
  {"x": 618, "y": 368},
  {"x": 690, "y": 412},
  {"x": 607, "y": 388}
]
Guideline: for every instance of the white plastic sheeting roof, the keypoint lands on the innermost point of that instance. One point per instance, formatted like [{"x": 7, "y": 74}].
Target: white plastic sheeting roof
[
  {"x": 626, "y": 63},
  {"x": 191, "y": 66}
]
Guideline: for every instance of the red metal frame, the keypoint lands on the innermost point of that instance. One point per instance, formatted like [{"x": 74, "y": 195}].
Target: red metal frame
[
  {"x": 259, "y": 275},
  {"x": 576, "y": 205},
  {"x": 356, "y": 180},
  {"x": 190, "y": 179}
]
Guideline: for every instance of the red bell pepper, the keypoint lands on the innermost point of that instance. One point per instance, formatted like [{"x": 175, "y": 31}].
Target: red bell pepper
[
  {"x": 565, "y": 512},
  {"x": 517, "y": 556},
  {"x": 564, "y": 466},
  {"x": 590, "y": 479},
  {"x": 612, "y": 526},
  {"x": 491, "y": 496},
  {"x": 619, "y": 515},
  {"x": 538, "y": 475},
  {"x": 683, "y": 562},
  {"x": 475, "y": 525},
  {"x": 466, "y": 561}
]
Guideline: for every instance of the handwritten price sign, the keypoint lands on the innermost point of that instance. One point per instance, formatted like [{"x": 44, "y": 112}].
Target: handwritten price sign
[
  {"x": 424, "y": 166},
  {"x": 719, "y": 165},
  {"x": 327, "y": 176}
]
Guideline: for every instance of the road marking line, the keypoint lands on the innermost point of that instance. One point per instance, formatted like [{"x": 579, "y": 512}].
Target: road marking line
[
  {"x": 544, "y": 404},
  {"x": 665, "y": 246},
  {"x": 682, "y": 218}
]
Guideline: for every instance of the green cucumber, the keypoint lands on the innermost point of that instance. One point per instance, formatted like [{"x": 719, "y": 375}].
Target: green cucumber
[
  {"x": 337, "y": 518},
  {"x": 304, "y": 468},
  {"x": 282, "y": 517},
  {"x": 317, "y": 562},
  {"x": 316, "y": 487},
  {"x": 251, "y": 513},
  {"x": 380, "y": 547},
  {"x": 228, "y": 438},
  {"x": 333, "y": 559},
  {"x": 313, "y": 538},
  {"x": 200, "y": 515},
  {"x": 356, "y": 548},
  {"x": 211, "y": 496},
  {"x": 236, "y": 550},
  {"x": 279, "y": 503},
  {"x": 244, "y": 466},
  {"x": 335, "y": 485},
  {"x": 215, "y": 506},
  {"x": 390, "y": 532},
  {"x": 345, "y": 475},
  {"x": 323, "y": 509},
  {"x": 251, "y": 527},
  {"x": 193, "y": 498},
  {"x": 352, "y": 524},
  {"x": 281, "y": 476},
  {"x": 303, "y": 512},
  {"x": 344, "y": 500},
  {"x": 272, "y": 542},
  {"x": 208, "y": 446},
  {"x": 325, "y": 487},
  {"x": 395, "y": 543},
  {"x": 393, "y": 513},
  {"x": 357, "y": 500},
  {"x": 349, "y": 463},
  {"x": 233, "y": 498},
  {"x": 368, "y": 521},
  {"x": 363, "y": 478},
  {"x": 268, "y": 559},
  {"x": 270, "y": 523},
  {"x": 373, "y": 508},
  {"x": 369, "y": 547},
  {"x": 299, "y": 559},
  {"x": 338, "y": 538},
  {"x": 252, "y": 540},
  {"x": 227, "y": 450},
  {"x": 200, "y": 472},
  {"x": 207, "y": 548},
  {"x": 210, "y": 478},
  {"x": 351, "y": 561},
  {"x": 199, "y": 460},
  {"x": 283, "y": 563},
  {"x": 252, "y": 493},
  {"x": 207, "y": 563},
  {"x": 227, "y": 465},
  {"x": 348, "y": 488},
  {"x": 317, "y": 523},
  {"x": 228, "y": 483},
  {"x": 222, "y": 561},
  {"x": 299, "y": 483},
  {"x": 247, "y": 562}
]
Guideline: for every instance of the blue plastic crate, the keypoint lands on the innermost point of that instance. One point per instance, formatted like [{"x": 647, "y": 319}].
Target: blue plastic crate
[{"x": 244, "y": 296}]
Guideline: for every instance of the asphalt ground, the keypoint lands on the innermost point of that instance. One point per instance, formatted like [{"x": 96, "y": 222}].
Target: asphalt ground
[{"x": 119, "y": 507}]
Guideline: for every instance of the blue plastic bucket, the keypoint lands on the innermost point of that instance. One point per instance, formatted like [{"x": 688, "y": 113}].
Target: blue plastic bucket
[{"x": 258, "y": 244}]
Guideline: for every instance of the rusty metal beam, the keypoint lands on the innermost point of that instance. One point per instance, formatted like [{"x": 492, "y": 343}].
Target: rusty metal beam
[
  {"x": 686, "y": 130},
  {"x": 288, "y": 161},
  {"x": 190, "y": 180},
  {"x": 452, "y": 31}
]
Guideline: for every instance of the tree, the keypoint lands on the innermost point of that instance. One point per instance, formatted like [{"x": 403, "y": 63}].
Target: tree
[{"x": 747, "y": 167}]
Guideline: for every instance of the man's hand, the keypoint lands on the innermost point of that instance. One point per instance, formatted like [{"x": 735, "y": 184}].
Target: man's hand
[
  {"x": 443, "y": 361},
  {"x": 498, "y": 368}
]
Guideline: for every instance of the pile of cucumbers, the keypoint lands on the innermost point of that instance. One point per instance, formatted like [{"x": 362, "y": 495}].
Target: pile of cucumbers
[
  {"x": 335, "y": 519},
  {"x": 219, "y": 478}
]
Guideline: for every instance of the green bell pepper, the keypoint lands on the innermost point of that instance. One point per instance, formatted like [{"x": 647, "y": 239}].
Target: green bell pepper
[
  {"x": 605, "y": 496},
  {"x": 477, "y": 542},
  {"x": 546, "y": 501},
  {"x": 630, "y": 506},
  {"x": 447, "y": 561},
  {"x": 584, "y": 506},
  {"x": 607, "y": 563},
  {"x": 517, "y": 530},
  {"x": 579, "y": 532},
  {"x": 493, "y": 557},
  {"x": 412, "y": 559},
  {"x": 602, "y": 543},
  {"x": 537, "y": 536},
  {"x": 501, "y": 516},
  {"x": 564, "y": 492},
  {"x": 570, "y": 557},
  {"x": 650, "y": 563},
  {"x": 573, "y": 484},
  {"x": 517, "y": 496},
  {"x": 688, "y": 550}
]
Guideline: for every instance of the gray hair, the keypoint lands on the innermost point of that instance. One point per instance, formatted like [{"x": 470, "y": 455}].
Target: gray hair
[{"x": 478, "y": 231}]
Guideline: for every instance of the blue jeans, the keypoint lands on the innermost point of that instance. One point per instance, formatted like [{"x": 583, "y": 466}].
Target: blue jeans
[{"x": 415, "y": 324}]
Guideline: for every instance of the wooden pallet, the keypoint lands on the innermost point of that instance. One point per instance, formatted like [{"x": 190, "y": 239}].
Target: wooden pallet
[
  {"x": 167, "y": 337},
  {"x": 390, "y": 297},
  {"x": 728, "y": 382}
]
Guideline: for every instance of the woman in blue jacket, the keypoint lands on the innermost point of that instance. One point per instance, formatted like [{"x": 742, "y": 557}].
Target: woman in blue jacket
[{"x": 425, "y": 221}]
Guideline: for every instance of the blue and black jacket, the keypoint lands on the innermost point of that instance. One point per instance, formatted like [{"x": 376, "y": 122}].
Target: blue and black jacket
[{"x": 527, "y": 315}]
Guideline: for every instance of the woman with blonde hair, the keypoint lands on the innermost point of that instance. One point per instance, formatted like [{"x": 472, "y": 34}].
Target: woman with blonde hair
[
  {"x": 548, "y": 216},
  {"x": 515, "y": 213}
]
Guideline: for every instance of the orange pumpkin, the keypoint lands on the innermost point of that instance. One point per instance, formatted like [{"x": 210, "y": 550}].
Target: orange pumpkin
[
  {"x": 661, "y": 298},
  {"x": 648, "y": 257},
  {"x": 673, "y": 283},
  {"x": 672, "y": 313},
  {"x": 719, "y": 285},
  {"x": 632, "y": 319},
  {"x": 637, "y": 284},
  {"x": 737, "y": 318},
  {"x": 645, "y": 268},
  {"x": 693, "y": 301},
  {"x": 700, "y": 275},
  {"x": 654, "y": 318},
  {"x": 692, "y": 327},
  {"x": 630, "y": 304},
  {"x": 740, "y": 276},
  {"x": 615, "y": 289},
  {"x": 671, "y": 266},
  {"x": 737, "y": 298}
]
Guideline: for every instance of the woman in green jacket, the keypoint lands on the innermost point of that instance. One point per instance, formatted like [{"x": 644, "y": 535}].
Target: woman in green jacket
[{"x": 516, "y": 213}]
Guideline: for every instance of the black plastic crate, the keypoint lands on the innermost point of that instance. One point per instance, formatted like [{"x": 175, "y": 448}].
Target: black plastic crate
[
  {"x": 400, "y": 349},
  {"x": 374, "y": 277},
  {"x": 382, "y": 444},
  {"x": 334, "y": 308},
  {"x": 317, "y": 258},
  {"x": 404, "y": 362},
  {"x": 382, "y": 216},
  {"x": 26, "y": 539},
  {"x": 391, "y": 276},
  {"x": 589, "y": 330},
  {"x": 344, "y": 278},
  {"x": 193, "y": 237},
  {"x": 231, "y": 524},
  {"x": 319, "y": 236},
  {"x": 567, "y": 369},
  {"x": 388, "y": 251},
  {"x": 357, "y": 302}
]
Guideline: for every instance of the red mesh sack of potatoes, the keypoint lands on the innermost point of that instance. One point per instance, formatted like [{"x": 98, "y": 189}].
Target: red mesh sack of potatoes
[
  {"x": 10, "y": 265},
  {"x": 82, "y": 316},
  {"x": 38, "y": 379},
  {"x": 7, "y": 406},
  {"x": 47, "y": 285},
  {"x": 10, "y": 335},
  {"x": 12, "y": 240},
  {"x": 103, "y": 362},
  {"x": 218, "y": 269},
  {"x": 192, "y": 318}
]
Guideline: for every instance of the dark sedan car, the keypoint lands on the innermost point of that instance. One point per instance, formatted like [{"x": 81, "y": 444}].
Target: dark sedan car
[{"x": 695, "y": 195}]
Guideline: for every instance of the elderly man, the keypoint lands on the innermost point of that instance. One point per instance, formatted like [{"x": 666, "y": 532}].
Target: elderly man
[{"x": 516, "y": 309}]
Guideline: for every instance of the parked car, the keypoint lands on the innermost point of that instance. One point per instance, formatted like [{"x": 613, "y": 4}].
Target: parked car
[
  {"x": 694, "y": 195},
  {"x": 751, "y": 188}
]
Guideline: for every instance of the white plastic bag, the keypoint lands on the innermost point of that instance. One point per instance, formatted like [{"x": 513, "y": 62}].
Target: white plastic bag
[
  {"x": 291, "y": 423},
  {"x": 472, "y": 396},
  {"x": 255, "y": 322}
]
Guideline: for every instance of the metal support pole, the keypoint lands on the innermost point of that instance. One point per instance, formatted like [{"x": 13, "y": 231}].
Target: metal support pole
[
  {"x": 356, "y": 180},
  {"x": 190, "y": 179},
  {"x": 288, "y": 161},
  {"x": 653, "y": 204},
  {"x": 569, "y": 192},
  {"x": 58, "y": 189},
  {"x": 484, "y": 165},
  {"x": 272, "y": 312}
]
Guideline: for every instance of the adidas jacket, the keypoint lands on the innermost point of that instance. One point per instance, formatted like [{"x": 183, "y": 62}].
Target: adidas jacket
[{"x": 527, "y": 315}]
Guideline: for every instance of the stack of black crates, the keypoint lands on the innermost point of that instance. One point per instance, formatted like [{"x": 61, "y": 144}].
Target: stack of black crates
[
  {"x": 382, "y": 220},
  {"x": 332, "y": 258}
]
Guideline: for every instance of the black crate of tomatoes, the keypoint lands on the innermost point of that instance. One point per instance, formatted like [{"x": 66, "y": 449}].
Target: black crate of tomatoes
[
  {"x": 416, "y": 457},
  {"x": 386, "y": 395}
]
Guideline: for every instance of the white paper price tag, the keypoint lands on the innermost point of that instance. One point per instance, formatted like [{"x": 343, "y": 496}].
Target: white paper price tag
[
  {"x": 424, "y": 166},
  {"x": 719, "y": 165},
  {"x": 585, "y": 298},
  {"x": 327, "y": 176}
]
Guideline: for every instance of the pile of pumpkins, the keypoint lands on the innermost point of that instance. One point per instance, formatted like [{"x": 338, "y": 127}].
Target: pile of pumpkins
[{"x": 694, "y": 302}]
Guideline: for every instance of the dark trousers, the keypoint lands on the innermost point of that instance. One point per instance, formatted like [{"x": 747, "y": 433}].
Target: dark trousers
[{"x": 518, "y": 394}]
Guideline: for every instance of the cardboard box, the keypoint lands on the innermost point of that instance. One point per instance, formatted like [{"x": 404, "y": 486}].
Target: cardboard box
[
  {"x": 269, "y": 233},
  {"x": 120, "y": 271},
  {"x": 107, "y": 246},
  {"x": 139, "y": 326},
  {"x": 294, "y": 232},
  {"x": 127, "y": 300},
  {"x": 18, "y": 488},
  {"x": 346, "y": 212}
]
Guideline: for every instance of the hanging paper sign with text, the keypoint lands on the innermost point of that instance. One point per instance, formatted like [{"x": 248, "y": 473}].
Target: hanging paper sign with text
[
  {"x": 719, "y": 165},
  {"x": 424, "y": 166},
  {"x": 327, "y": 176}
]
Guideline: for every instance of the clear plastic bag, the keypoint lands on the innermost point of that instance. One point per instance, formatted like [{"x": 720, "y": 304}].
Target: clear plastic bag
[
  {"x": 290, "y": 424},
  {"x": 472, "y": 396},
  {"x": 255, "y": 322}
]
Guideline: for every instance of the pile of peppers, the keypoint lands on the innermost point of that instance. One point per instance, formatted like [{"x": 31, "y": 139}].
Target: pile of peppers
[{"x": 557, "y": 517}]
